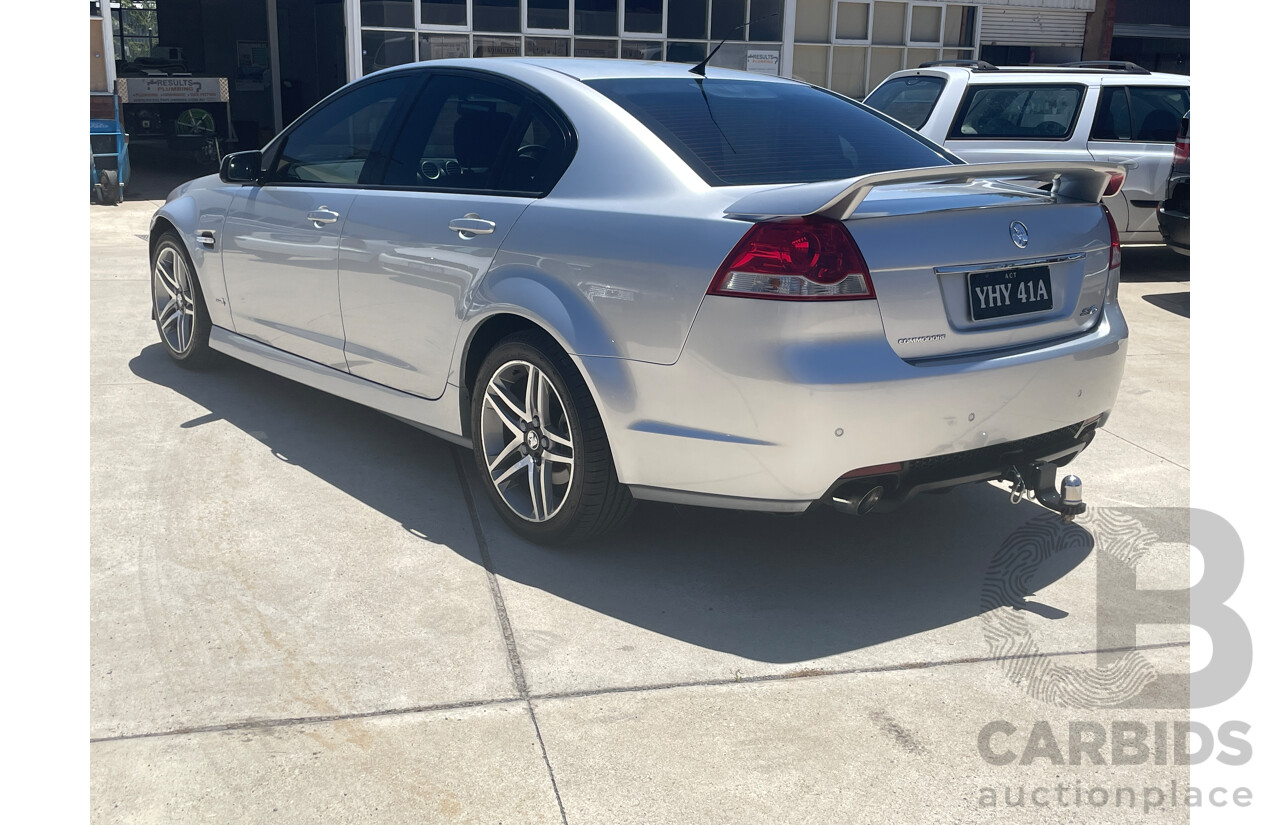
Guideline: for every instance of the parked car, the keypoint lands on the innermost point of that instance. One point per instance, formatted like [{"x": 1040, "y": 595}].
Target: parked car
[
  {"x": 618, "y": 280},
  {"x": 1102, "y": 111},
  {"x": 1175, "y": 210}
]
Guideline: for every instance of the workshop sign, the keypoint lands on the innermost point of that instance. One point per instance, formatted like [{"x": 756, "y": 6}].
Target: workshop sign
[{"x": 172, "y": 89}]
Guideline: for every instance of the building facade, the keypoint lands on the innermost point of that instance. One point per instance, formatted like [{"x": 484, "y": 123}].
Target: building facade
[{"x": 281, "y": 56}]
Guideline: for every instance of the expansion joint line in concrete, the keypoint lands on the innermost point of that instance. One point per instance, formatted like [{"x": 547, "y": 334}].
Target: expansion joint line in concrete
[{"x": 504, "y": 621}]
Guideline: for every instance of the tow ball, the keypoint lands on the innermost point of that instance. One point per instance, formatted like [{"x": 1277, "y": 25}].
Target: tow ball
[{"x": 1037, "y": 479}]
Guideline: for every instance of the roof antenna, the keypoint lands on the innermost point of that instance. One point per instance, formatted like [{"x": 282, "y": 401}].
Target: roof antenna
[{"x": 701, "y": 68}]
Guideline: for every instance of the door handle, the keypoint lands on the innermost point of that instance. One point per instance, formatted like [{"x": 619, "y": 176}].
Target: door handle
[
  {"x": 471, "y": 224},
  {"x": 322, "y": 216},
  {"x": 1127, "y": 163}
]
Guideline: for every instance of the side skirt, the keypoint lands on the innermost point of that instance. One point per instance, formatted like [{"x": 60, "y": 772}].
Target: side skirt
[{"x": 430, "y": 416}]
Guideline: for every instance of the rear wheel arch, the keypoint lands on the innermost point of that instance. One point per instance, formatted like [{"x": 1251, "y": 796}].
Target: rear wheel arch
[{"x": 488, "y": 334}]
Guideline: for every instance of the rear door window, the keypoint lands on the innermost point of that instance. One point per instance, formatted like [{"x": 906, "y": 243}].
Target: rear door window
[
  {"x": 1015, "y": 112},
  {"x": 1157, "y": 112},
  {"x": 736, "y": 132},
  {"x": 471, "y": 133},
  {"x": 1143, "y": 114},
  {"x": 907, "y": 99}
]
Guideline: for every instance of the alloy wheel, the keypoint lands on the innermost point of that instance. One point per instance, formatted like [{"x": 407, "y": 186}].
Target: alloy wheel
[
  {"x": 527, "y": 440},
  {"x": 174, "y": 300}
]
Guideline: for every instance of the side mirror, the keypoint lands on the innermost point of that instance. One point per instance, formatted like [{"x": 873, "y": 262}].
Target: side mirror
[{"x": 241, "y": 167}]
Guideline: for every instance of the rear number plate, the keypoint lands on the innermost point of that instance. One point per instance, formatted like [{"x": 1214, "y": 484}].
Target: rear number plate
[{"x": 1009, "y": 292}]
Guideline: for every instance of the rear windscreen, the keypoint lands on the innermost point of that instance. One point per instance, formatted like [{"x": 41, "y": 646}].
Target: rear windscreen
[
  {"x": 736, "y": 132},
  {"x": 907, "y": 99}
]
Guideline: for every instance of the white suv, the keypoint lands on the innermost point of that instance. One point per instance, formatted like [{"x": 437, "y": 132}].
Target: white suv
[{"x": 1114, "y": 112}]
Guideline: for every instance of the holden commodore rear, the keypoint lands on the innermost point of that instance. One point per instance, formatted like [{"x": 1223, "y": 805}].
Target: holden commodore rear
[{"x": 866, "y": 339}]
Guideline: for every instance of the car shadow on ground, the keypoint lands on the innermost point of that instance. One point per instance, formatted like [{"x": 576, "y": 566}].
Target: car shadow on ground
[
  {"x": 1179, "y": 303},
  {"x": 765, "y": 587},
  {"x": 1153, "y": 263}
]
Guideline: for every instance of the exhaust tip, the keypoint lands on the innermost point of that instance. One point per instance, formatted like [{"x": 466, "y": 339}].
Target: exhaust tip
[{"x": 869, "y": 501}]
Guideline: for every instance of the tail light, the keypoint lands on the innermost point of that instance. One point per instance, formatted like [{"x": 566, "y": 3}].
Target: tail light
[
  {"x": 796, "y": 259},
  {"x": 1182, "y": 153},
  {"x": 1113, "y": 184},
  {"x": 1115, "y": 240}
]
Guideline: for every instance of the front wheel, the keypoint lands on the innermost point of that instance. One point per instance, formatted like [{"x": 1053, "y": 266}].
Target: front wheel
[
  {"x": 540, "y": 446},
  {"x": 178, "y": 304}
]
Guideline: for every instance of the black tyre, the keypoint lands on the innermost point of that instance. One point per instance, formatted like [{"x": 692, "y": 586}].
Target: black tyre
[
  {"x": 109, "y": 181},
  {"x": 182, "y": 319},
  {"x": 540, "y": 446}
]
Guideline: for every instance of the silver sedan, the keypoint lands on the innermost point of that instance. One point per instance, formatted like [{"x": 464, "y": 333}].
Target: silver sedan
[{"x": 619, "y": 280}]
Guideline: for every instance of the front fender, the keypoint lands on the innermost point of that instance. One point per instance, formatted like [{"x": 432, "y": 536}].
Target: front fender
[{"x": 201, "y": 209}]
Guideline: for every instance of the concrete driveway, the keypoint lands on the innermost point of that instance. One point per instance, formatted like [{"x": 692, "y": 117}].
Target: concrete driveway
[{"x": 304, "y": 611}]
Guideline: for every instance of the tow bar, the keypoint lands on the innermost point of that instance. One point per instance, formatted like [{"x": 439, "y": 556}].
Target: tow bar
[{"x": 1037, "y": 479}]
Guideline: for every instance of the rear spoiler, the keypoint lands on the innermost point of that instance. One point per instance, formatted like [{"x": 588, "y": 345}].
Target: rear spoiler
[{"x": 1072, "y": 180}]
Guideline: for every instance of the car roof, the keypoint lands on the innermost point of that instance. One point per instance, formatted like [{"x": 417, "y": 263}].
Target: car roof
[
  {"x": 589, "y": 68},
  {"x": 1043, "y": 74}
]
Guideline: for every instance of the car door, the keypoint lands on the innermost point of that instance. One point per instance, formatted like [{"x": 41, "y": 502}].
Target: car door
[
  {"x": 1136, "y": 126},
  {"x": 472, "y": 154},
  {"x": 280, "y": 239}
]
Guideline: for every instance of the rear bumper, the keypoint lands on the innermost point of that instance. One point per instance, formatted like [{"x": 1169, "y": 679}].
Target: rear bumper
[{"x": 752, "y": 419}]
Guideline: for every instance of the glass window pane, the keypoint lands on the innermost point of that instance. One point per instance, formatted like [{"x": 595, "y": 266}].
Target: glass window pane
[
  {"x": 813, "y": 22},
  {"x": 959, "y": 26},
  {"x": 915, "y": 57},
  {"x": 642, "y": 49},
  {"x": 382, "y": 49},
  {"x": 926, "y": 24},
  {"x": 884, "y": 62},
  {"x": 849, "y": 71},
  {"x": 594, "y": 48},
  {"x": 332, "y": 143},
  {"x": 687, "y": 18},
  {"x": 731, "y": 135},
  {"x": 1112, "y": 122},
  {"x": 546, "y": 46},
  {"x": 496, "y": 46},
  {"x": 727, "y": 18},
  {"x": 771, "y": 27},
  {"x": 442, "y": 46},
  {"x": 387, "y": 13},
  {"x": 851, "y": 21},
  {"x": 685, "y": 52},
  {"x": 548, "y": 14},
  {"x": 1158, "y": 111},
  {"x": 890, "y": 24},
  {"x": 455, "y": 135},
  {"x": 444, "y": 12},
  {"x": 810, "y": 64},
  {"x": 495, "y": 15},
  {"x": 1023, "y": 112},
  {"x": 907, "y": 99},
  {"x": 642, "y": 16},
  {"x": 596, "y": 17}
]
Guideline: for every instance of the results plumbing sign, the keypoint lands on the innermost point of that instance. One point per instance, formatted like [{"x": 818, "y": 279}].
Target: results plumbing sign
[
  {"x": 172, "y": 89},
  {"x": 762, "y": 61}
]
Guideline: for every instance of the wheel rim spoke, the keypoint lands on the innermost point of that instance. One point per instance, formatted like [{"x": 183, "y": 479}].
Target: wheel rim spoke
[
  {"x": 513, "y": 469},
  {"x": 165, "y": 279},
  {"x": 169, "y": 314},
  {"x": 496, "y": 391},
  {"x": 559, "y": 459},
  {"x": 502, "y": 416},
  {"x": 507, "y": 451},
  {"x": 561, "y": 440},
  {"x": 539, "y": 512}
]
